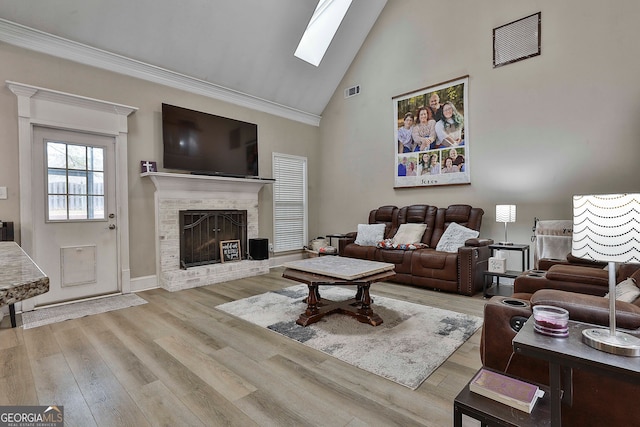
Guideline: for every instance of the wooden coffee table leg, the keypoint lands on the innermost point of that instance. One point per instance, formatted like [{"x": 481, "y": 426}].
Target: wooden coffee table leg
[
  {"x": 312, "y": 313},
  {"x": 365, "y": 314}
]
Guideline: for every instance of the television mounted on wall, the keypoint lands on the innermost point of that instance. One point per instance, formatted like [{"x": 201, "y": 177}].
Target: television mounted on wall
[{"x": 203, "y": 143}]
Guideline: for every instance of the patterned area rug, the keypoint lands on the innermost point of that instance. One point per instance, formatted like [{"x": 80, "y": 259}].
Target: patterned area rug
[
  {"x": 411, "y": 343},
  {"x": 45, "y": 316}
]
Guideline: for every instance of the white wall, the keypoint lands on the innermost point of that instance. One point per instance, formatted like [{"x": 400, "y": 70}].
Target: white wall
[
  {"x": 540, "y": 130},
  {"x": 144, "y": 139}
]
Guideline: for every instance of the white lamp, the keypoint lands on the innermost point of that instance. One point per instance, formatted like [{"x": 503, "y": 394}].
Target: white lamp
[
  {"x": 607, "y": 228},
  {"x": 505, "y": 213}
]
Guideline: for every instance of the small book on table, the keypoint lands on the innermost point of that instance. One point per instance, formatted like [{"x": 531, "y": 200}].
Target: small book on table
[{"x": 505, "y": 389}]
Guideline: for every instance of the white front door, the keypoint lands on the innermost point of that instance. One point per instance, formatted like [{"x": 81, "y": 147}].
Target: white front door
[{"x": 75, "y": 239}]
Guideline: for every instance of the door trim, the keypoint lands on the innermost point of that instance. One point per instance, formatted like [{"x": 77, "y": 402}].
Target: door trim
[{"x": 58, "y": 110}]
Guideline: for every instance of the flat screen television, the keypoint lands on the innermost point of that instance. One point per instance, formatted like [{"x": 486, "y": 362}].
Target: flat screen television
[{"x": 207, "y": 144}]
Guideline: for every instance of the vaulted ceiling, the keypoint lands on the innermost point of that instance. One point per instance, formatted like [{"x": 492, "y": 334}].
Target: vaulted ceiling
[{"x": 228, "y": 49}]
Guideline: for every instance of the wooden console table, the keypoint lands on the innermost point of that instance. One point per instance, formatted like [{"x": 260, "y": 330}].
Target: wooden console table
[{"x": 20, "y": 277}]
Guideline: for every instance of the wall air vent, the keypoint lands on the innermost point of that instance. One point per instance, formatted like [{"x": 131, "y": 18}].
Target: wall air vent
[{"x": 352, "y": 91}]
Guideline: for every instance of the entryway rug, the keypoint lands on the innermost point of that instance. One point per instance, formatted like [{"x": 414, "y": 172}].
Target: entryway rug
[
  {"x": 411, "y": 343},
  {"x": 45, "y": 316}
]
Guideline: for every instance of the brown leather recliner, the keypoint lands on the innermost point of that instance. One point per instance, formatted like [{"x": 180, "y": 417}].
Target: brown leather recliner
[
  {"x": 460, "y": 272},
  {"x": 573, "y": 277},
  {"x": 597, "y": 399}
]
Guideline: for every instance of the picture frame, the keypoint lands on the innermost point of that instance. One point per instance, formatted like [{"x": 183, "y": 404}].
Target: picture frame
[
  {"x": 230, "y": 250},
  {"x": 433, "y": 149}
]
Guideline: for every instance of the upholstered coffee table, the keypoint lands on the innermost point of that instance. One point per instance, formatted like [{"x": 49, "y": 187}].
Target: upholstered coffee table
[{"x": 337, "y": 271}]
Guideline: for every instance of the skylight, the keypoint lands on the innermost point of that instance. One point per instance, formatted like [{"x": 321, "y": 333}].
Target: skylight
[{"x": 322, "y": 27}]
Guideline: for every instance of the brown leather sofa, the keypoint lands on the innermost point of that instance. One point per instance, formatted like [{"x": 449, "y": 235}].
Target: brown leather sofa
[
  {"x": 460, "y": 272},
  {"x": 597, "y": 399}
]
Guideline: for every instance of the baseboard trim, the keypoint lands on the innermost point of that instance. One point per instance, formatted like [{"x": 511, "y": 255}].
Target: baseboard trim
[{"x": 143, "y": 283}]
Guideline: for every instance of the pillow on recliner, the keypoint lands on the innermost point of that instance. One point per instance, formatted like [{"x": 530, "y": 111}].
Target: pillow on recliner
[
  {"x": 626, "y": 291},
  {"x": 454, "y": 237},
  {"x": 369, "y": 234},
  {"x": 409, "y": 234}
]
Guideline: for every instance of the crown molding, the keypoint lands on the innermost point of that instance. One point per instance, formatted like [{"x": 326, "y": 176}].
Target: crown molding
[{"x": 39, "y": 41}]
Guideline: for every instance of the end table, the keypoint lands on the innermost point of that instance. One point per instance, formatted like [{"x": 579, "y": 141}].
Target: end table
[{"x": 507, "y": 290}]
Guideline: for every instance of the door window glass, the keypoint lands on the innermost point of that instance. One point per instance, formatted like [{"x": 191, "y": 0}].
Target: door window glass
[{"x": 75, "y": 182}]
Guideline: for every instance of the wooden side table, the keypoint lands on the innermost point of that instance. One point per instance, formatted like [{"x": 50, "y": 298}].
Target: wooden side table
[{"x": 334, "y": 236}]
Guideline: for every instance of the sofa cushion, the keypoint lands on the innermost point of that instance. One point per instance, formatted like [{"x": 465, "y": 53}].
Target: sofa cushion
[
  {"x": 409, "y": 234},
  {"x": 369, "y": 234},
  {"x": 454, "y": 237},
  {"x": 626, "y": 291}
]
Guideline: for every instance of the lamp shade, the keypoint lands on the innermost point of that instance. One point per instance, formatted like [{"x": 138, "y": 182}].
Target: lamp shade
[
  {"x": 505, "y": 213},
  {"x": 607, "y": 227}
]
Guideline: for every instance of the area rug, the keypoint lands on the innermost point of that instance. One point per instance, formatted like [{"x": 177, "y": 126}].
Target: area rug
[
  {"x": 46, "y": 316},
  {"x": 411, "y": 343}
]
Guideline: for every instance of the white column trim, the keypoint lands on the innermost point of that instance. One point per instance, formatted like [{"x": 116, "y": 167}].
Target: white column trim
[{"x": 45, "y": 107}]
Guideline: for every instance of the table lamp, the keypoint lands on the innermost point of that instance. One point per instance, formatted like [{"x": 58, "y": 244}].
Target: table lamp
[
  {"x": 607, "y": 228},
  {"x": 505, "y": 213}
]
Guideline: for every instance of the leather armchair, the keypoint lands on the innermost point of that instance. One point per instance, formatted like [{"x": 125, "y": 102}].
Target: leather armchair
[
  {"x": 597, "y": 399},
  {"x": 576, "y": 277}
]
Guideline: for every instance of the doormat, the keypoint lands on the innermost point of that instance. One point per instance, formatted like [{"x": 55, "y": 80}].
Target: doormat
[
  {"x": 411, "y": 343},
  {"x": 46, "y": 316}
]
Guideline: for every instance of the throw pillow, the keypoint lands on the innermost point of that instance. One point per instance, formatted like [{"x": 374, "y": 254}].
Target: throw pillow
[
  {"x": 454, "y": 237},
  {"x": 409, "y": 233},
  {"x": 389, "y": 244},
  {"x": 626, "y": 291},
  {"x": 369, "y": 234}
]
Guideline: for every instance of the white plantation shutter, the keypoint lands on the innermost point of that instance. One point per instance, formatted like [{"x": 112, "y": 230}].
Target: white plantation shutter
[{"x": 289, "y": 202}]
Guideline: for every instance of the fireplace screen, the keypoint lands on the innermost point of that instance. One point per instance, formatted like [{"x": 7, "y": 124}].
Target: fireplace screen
[{"x": 202, "y": 231}]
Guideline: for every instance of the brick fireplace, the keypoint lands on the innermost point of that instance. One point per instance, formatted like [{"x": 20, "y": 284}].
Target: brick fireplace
[
  {"x": 182, "y": 192},
  {"x": 202, "y": 231}
]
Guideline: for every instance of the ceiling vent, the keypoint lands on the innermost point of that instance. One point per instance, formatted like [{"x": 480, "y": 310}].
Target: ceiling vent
[{"x": 352, "y": 91}]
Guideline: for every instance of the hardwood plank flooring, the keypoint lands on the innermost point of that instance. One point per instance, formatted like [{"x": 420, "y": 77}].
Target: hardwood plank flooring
[{"x": 178, "y": 361}]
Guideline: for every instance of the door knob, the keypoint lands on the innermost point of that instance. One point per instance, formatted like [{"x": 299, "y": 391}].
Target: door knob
[{"x": 112, "y": 226}]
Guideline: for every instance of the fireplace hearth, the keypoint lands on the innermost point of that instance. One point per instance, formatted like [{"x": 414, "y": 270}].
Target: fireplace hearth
[{"x": 201, "y": 232}]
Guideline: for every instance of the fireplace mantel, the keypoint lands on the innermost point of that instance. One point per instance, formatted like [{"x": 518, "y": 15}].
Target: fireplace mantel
[
  {"x": 167, "y": 182},
  {"x": 175, "y": 192}
]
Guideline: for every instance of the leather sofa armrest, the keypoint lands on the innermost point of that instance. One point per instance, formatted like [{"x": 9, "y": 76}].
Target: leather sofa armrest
[
  {"x": 472, "y": 262},
  {"x": 589, "y": 308},
  {"x": 578, "y": 274},
  {"x": 547, "y": 263},
  {"x": 501, "y": 324},
  {"x": 344, "y": 241},
  {"x": 478, "y": 242}
]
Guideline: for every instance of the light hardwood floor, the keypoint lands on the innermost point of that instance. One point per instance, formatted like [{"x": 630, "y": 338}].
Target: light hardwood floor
[{"x": 177, "y": 361}]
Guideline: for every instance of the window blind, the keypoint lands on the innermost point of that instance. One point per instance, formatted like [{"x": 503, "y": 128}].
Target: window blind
[{"x": 289, "y": 202}]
